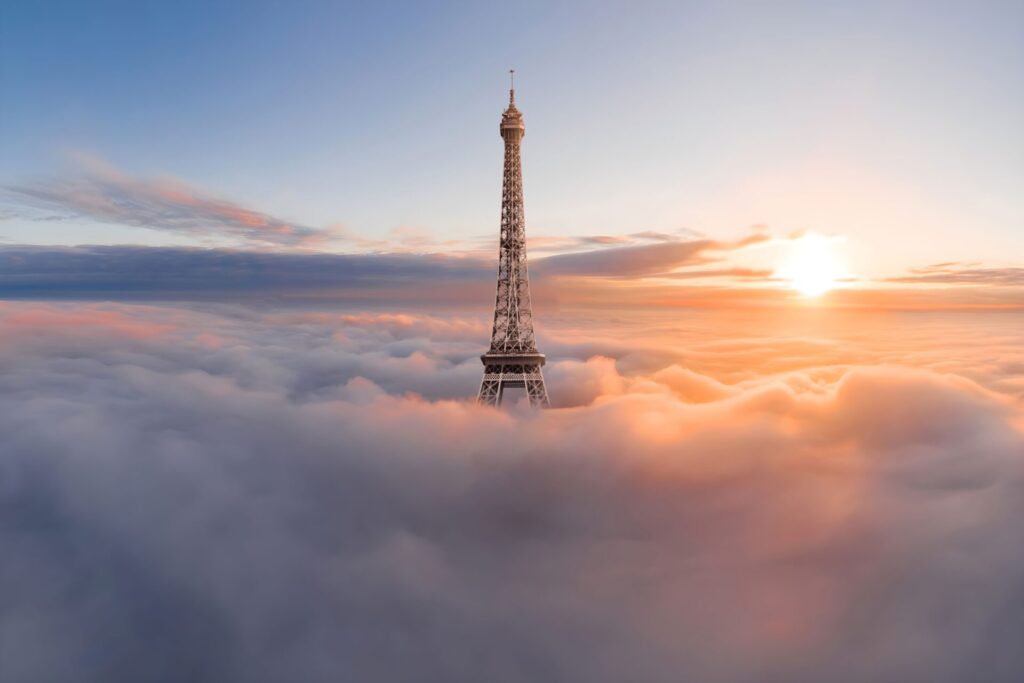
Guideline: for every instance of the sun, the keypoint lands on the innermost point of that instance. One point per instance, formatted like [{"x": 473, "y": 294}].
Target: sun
[{"x": 811, "y": 267}]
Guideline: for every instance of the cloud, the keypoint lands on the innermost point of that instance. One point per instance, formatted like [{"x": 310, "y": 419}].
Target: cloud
[
  {"x": 731, "y": 272},
  {"x": 254, "y": 495},
  {"x": 193, "y": 273},
  {"x": 102, "y": 193},
  {"x": 546, "y": 244},
  {"x": 640, "y": 260},
  {"x": 611, "y": 277},
  {"x": 954, "y": 273}
]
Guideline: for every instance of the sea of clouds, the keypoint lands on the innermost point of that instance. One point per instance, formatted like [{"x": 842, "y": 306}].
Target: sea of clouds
[{"x": 219, "y": 493}]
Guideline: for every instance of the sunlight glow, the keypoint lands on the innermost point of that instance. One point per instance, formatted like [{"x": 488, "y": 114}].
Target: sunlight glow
[{"x": 811, "y": 266}]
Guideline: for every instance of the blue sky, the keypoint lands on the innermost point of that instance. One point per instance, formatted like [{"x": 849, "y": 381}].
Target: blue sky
[{"x": 894, "y": 125}]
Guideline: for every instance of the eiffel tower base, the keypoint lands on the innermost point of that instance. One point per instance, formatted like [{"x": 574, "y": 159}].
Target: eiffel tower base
[{"x": 519, "y": 370}]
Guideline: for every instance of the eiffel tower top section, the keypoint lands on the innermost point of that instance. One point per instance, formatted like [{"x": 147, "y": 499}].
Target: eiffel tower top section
[{"x": 512, "y": 127}]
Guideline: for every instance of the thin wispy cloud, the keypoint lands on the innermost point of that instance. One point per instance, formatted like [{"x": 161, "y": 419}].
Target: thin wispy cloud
[
  {"x": 98, "y": 191},
  {"x": 643, "y": 260},
  {"x": 955, "y": 273},
  {"x": 733, "y": 272},
  {"x": 560, "y": 244}
]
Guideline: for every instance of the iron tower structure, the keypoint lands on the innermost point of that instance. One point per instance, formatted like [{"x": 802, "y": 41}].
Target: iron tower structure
[{"x": 512, "y": 359}]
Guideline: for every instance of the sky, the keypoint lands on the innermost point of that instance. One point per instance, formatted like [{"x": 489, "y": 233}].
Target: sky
[
  {"x": 247, "y": 259},
  {"x": 893, "y": 126}
]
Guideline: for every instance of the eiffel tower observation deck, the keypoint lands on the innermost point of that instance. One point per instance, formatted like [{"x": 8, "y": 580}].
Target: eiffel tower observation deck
[{"x": 513, "y": 359}]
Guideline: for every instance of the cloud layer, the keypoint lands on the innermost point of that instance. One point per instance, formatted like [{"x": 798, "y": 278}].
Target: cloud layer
[
  {"x": 240, "y": 494},
  {"x": 116, "y": 272},
  {"x": 614, "y": 277}
]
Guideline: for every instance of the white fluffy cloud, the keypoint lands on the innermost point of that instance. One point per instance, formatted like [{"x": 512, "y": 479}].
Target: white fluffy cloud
[{"x": 239, "y": 495}]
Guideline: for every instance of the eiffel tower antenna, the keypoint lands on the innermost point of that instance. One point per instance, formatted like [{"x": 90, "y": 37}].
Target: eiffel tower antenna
[{"x": 512, "y": 359}]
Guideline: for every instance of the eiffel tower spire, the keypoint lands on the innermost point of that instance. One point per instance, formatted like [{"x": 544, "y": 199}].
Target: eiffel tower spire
[{"x": 512, "y": 359}]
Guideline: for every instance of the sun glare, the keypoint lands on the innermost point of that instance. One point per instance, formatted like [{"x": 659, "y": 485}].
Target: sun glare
[{"x": 811, "y": 266}]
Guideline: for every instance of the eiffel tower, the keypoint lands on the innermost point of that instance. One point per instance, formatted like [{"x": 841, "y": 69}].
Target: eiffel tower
[{"x": 513, "y": 359}]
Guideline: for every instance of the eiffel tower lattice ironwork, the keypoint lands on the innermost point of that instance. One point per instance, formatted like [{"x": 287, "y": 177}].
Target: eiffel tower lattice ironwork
[{"x": 512, "y": 359}]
